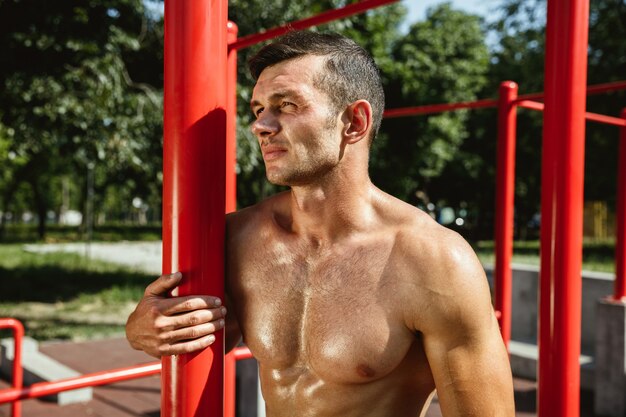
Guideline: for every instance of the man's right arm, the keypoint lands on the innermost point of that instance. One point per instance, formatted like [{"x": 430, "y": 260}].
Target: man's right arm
[{"x": 163, "y": 325}]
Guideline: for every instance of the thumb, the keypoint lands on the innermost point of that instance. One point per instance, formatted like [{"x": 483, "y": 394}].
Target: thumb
[{"x": 163, "y": 284}]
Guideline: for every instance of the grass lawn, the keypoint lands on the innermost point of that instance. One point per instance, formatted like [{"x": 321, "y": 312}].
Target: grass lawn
[
  {"x": 27, "y": 233},
  {"x": 66, "y": 296}
]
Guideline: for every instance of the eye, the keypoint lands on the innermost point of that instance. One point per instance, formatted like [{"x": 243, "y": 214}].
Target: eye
[
  {"x": 258, "y": 111},
  {"x": 286, "y": 103}
]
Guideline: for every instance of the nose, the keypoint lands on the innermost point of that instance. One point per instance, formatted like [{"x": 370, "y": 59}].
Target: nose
[{"x": 266, "y": 125}]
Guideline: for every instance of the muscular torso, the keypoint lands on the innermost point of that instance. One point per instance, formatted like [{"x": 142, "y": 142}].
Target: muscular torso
[{"x": 328, "y": 324}]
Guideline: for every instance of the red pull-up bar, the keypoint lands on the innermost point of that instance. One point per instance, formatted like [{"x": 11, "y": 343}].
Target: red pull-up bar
[{"x": 324, "y": 17}]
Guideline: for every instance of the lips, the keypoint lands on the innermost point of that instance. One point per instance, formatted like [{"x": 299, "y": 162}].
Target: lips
[{"x": 271, "y": 152}]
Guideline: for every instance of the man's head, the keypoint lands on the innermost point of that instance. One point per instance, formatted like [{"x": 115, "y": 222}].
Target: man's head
[{"x": 349, "y": 72}]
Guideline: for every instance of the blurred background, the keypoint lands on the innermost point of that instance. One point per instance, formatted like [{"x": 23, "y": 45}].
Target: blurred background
[{"x": 81, "y": 136}]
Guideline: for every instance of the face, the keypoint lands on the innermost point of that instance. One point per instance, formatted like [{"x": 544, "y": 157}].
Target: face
[{"x": 296, "y": 125}]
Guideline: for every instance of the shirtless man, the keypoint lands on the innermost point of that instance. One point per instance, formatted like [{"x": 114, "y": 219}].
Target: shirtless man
[{"x": 353, "y": 302}]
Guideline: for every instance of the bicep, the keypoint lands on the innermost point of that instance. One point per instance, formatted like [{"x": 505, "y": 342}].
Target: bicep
[
  {"x": 463, "y": 344},
  {"x": 471, "y": 371}
]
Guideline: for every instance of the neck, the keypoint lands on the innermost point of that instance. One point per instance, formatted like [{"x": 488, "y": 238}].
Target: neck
[{"x": 333, "y": 208}]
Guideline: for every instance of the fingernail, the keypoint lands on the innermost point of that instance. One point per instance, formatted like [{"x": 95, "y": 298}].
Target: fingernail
[
  {"x": 223, "y": 311},
  {"x": 211, "y": 338},
  {"x": 218, "y": 302},
  {"x": 222, "y": 322},
  {"x": 177, "y": 275}
]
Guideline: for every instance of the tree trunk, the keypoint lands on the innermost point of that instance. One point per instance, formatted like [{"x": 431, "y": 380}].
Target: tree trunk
[
  {"x": 42, "y": 209},
  {"x": 6, "y": 203}
]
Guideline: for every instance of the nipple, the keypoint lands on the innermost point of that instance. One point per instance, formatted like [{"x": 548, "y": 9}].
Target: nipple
[{"x": 365, "y": 371}]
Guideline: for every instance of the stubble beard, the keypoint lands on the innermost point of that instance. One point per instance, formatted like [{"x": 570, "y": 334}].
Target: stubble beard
[
  {"x": 315, "y": 168},
  {"x": 314, "y": 172}
]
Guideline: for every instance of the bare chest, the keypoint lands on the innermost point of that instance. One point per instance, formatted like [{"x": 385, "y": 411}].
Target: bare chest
[{"x": 336, "y": 316}]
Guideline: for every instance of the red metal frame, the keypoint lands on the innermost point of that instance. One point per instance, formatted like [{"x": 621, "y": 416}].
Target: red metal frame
[
  {"x": 438, "y": 108},
  {"x": 17, "y": 377},
  {"x": 43, "y": 389},
  {"x": 230, "y": 366},
  {"x": 562, "y": 208},
  {"x": 324, "y": 17},
  {"x": 505, "y": 195},
  {"x": 487, "y": 103},
  {"x": 592, "y": 117},
  {"x": 194, "y": 170},
  {"x": 620, "y": 240},
  {"x": 231, "y": 121}
]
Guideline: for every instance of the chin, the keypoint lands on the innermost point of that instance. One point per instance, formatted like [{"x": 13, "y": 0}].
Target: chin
[{"x": 277, "y": 179}]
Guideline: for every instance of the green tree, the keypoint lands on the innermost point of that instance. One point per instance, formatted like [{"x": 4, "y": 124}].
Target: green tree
[
  {"x": 519, "y": 56},
  {"x": 435, "y": 62},
  {"x": 68, "y": 97}
]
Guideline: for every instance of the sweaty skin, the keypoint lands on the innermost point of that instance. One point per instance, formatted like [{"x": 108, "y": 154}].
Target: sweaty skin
[{"x": 354, "y": 303}]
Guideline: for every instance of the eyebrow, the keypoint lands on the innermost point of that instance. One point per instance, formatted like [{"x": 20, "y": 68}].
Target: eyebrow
[{"x": 276, "y": 96}]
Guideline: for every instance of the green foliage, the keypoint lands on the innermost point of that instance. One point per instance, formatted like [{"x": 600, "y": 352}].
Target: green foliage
[
  {"x": 434, "y": 63},
  {"x": 520, "y": 57},
  {"x": 69, "y": 100}
]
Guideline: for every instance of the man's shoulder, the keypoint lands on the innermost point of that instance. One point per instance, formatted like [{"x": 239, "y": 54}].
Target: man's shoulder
[
  {"x": 445, "y": 278},
  {"x": 432, "y": 254},
  {"x": 417, "y": 230},
  {"x": 256, "y": 218}
]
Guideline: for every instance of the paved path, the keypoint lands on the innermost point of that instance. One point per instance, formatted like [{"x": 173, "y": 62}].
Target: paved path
[{"x": 145, "y": 256}]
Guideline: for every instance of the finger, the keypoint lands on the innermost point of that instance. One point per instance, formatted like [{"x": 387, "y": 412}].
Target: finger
[
  {"x": 195, "y": 318},
  {"x": 178, "y": 305},
  {"x": 192, "y": 333},
  {"x": 188, "y": 346},
  {"x": 163, "y": 284}
]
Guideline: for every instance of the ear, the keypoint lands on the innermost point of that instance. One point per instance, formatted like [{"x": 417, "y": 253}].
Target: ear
[{"x": 357, "y": 121}]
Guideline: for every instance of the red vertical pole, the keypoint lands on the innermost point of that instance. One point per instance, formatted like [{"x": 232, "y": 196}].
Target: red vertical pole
[
  {"x": 620, "y": 241},
  {"x": 505, "y": 196},
  {"x": 17, "y": 377},
  {"x": 230, "y": 385},
  {"x": 18, "y": 371},
  {"x": 230, "y": 364},
  {"x": 231, "y": 122},
  {"x": 193, "y": 188},
  {"x": 562, "y": 208}
]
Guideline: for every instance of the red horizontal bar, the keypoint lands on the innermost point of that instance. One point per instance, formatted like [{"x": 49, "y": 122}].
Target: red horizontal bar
[
  {"x": 607, "y": 120},
  {"x": 606, "y": 87},
  {"x": 484, "y": 103},
  {"x": 324, "y": 17},
  {"x": 242, "y": 353},
  {"x": 591, "y": 90},
  {"x": 17, "y": 376},
  {"x": 438, "y": 108},
  {"x": 42, "y": 389},
  {"x": 592, "y": 117},
  {"x": 529, "y": 104}
]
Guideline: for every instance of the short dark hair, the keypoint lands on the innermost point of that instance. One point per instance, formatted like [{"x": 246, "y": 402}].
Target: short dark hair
[{"x": 350, "y": 72}]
